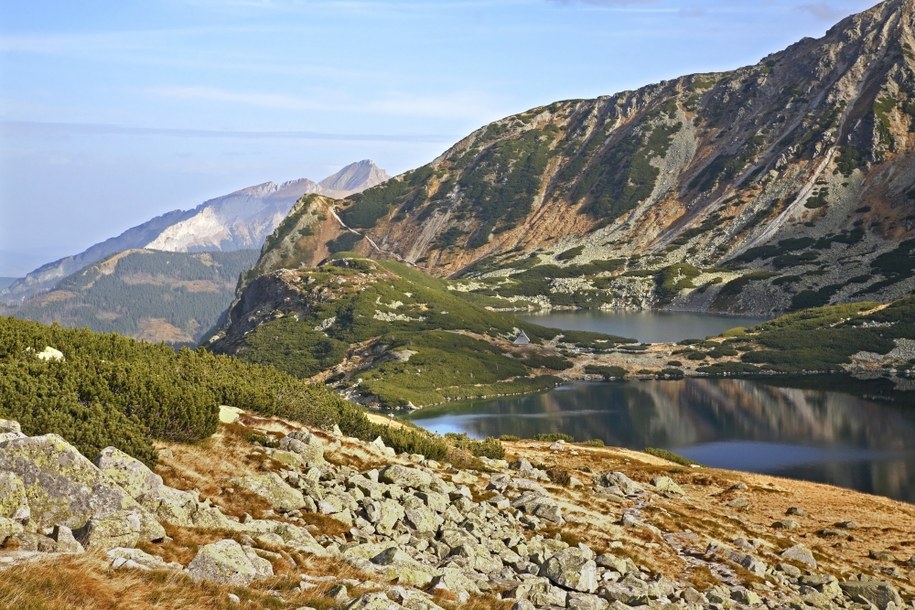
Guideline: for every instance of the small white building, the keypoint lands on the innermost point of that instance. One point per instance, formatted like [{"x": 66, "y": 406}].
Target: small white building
[{"x": 522, "y": 339}]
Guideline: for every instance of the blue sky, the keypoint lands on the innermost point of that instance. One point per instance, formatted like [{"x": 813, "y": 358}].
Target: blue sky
[{"x": 114, "y": 112}]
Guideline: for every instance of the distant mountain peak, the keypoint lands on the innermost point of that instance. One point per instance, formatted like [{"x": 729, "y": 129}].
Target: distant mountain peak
[
  {"x": 240, "y": 220},
  {"x": 355, "y": 176}
]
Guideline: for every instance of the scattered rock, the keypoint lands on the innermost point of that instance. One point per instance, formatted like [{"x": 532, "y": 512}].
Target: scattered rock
[
  {"x": 668, "y": 486},
  {"x": 572, "y": 568},
  {"x": 800, "y": 554},
  {"x": 226, "y": 562},
  {"x": 272, "y": 489},
  {"x": 876, "y": 592},
  {"x": 135, "y": 559}
]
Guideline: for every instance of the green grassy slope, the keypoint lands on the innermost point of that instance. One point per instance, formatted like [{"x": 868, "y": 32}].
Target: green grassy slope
[{"x": 425, "y": 340}]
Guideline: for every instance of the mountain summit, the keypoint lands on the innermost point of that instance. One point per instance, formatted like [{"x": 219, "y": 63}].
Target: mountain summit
[
  {"x": 355, "y": 177},
  {"x": 237, "y": 221},
  {"x": 771, "y": 187}
]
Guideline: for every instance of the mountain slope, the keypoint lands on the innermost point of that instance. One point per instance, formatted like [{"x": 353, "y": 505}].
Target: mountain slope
[
  {"x": 392, "y": 335},
  {"x": 170, "y": 297},
  {"x": 238, "y": 221},
  {"x": 781, "y": 185}
]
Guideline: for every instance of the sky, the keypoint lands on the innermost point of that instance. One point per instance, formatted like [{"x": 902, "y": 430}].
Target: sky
[{"x": 113, "y": 112}]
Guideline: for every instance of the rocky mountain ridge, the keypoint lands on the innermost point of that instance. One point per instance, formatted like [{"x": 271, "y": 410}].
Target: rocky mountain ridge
[
  {"x": 765, "y": 189},
  {"x": 238, "y": 221}
]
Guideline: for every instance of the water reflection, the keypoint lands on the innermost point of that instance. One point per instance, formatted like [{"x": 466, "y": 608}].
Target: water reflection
[
  {"x": 645, "y": 326},
  {"x": 741, "y": 424}
]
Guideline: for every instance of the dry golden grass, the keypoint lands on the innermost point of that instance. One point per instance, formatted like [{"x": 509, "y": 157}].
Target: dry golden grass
[
  {"x": 185, "y": 542},
  {"x": 87, "y": 583},
  {"x": 210, "y": 465}
]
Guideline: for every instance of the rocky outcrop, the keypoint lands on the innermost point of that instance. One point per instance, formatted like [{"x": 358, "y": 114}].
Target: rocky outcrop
[
  {"x": 63, "y": 488},
  {"x": 418, "y": 532}
]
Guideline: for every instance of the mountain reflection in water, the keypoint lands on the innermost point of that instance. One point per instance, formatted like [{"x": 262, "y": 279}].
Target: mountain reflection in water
[{"x": 806, "y": 433}]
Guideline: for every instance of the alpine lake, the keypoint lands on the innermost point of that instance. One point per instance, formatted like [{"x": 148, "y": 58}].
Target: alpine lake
[{"x": 830, "y": 429}]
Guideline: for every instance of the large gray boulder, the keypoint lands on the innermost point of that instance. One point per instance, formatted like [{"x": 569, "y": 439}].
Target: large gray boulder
[
  {"x": 131, "y": 475},
  {"x": 800, "y": 554},
  {"x": 227, "y": 562},
  {"x": 119, "y": 528},
  {"x": 619, "y": 482},
  {"x": 62, "y": 487},
  {"x": 538, "y": 505},
  {"x": 306, "y": 445},
  {"x": 274, "y": 490},
  {"x": 876, "y": 592},
  {"x": 405, "y": 476},
  {"x": 573, "y": 568},
  {"x": 373, "y": 601}
]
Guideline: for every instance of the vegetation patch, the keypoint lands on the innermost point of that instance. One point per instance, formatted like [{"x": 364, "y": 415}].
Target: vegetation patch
[{"x": 606, "y": 372}]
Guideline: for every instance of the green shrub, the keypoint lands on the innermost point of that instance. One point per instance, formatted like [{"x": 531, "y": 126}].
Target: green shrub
[
  {"x": 670, "y": 456},
  {"x": 607, "y": 372},
  {"x": 552, "y": 437},
  {"x": 569, "y": 254}
]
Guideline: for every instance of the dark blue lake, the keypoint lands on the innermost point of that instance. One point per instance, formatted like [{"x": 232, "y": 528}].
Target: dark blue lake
[
  {"x": 812, "y": 433},
  {"x": 645, "y": 326}
]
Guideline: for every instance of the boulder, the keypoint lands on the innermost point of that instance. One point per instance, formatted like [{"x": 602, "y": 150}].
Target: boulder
[
  {"x": 66, "y": 542},
  {"x": 274, "y": 490},
  {"x": 13, "y": 502},
  {"x": 572, "y": 568},
  {"x": 373, "y": 601},
  {"x": 876, "y": 592},
  {"x": 420, "y": 517},
  {"x": 225, "y": 562},
  {"x": 122, "y": 528},
  {"x": 586, "y": 601},
  {"x": 540, "y": 592},
  {"x": 127, "y": 558},
  {"x": 456, "y": 582},
  {"x": 620, "y": 481},
  {"x": 405, "y": 476},
  {"x": 182, "y": 508},
  {"x": 131, "y": 475},
  {"x": 9, "y": 430},
  {"x": 8, "y": 528},
  {"x": 800, "y": 554},
  {"x": 540, "y": 506},
  {"x": 668, "y": 486},
  {"x": 310, "y": 452},
  {"x": 62, "y": 487}
]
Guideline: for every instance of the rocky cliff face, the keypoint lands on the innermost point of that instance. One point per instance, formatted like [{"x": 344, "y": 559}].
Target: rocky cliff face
[
  {"x": 238, "y": 221},
  {"x": 781, "y": 185}
]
